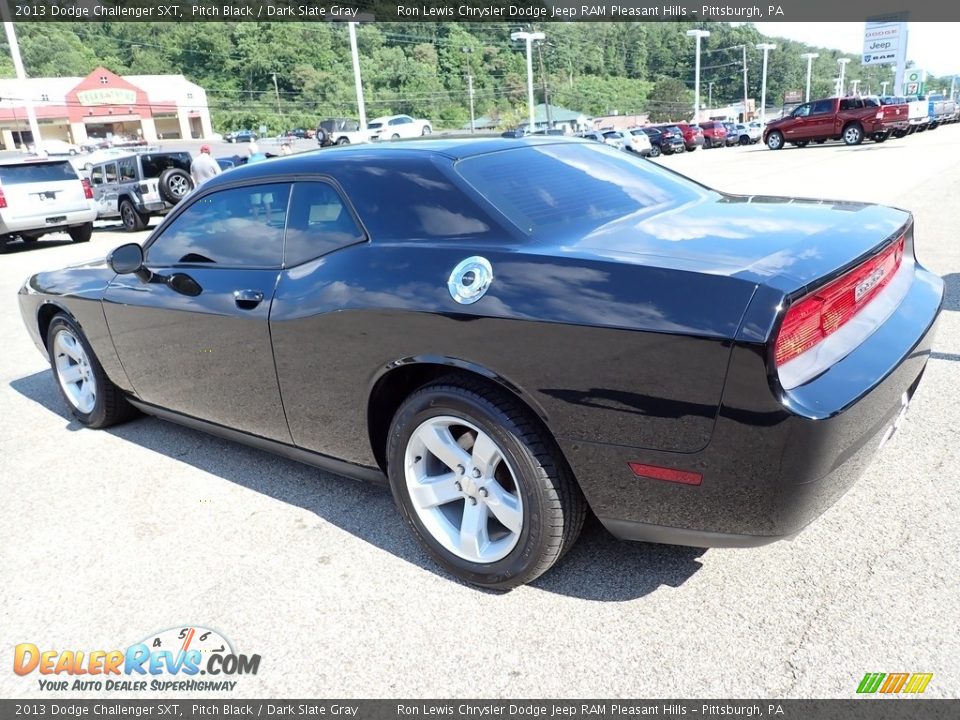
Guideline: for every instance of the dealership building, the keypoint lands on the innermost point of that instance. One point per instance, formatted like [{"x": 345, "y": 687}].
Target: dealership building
[{"x": 103, "y": 105}]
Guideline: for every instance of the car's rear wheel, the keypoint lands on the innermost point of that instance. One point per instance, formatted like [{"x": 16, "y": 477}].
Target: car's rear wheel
[
  {"x": 744, "y": 140},
  {"x": 775, "y": 140},
  {"x": 132, "y": 219},
  {"x": 90, "y": 396},
  {"x": 426, "y": 130},
  {"x": 481, "y": 484},
  {"x": 343, "y": 141},
  {"x": 394, "y": 137},
  {"x": 81, "y": 233},
  {"x": 707, "y": 143},
  {"x": 654, "y": 151},
  {"x": 174, "y": 185},
  {"x": 853, "y": 134},
  {"x": 802, "y": 143}
]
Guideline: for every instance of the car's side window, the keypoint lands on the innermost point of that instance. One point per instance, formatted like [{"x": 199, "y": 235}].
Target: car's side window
[
  {"x": 128, "y": 169},
  {"x": 96, "y": 175},
  {"x": 802, "y": 111},
  {"x": 318, "y": 222},
  {"x": 236, "y": 227},
  {"x": 110, "y": 172},
  {"x": 822, "y": 106}
]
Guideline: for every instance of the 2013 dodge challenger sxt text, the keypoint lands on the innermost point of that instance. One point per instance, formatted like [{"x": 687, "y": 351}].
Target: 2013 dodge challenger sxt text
[{"x": 511, "y": 332}]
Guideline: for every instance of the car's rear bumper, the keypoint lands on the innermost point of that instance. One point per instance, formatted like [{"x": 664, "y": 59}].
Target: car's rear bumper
[
  {"x": 46, "y": 222},
  {"x": 773, "y": 465}
]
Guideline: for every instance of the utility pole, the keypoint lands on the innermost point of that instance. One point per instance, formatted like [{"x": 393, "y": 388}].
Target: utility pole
[
  {"x": 543, "y": 82},
  {"x": 21, "y": 76},
  {"x": 843, "y": 65},
  {"x": 809, "y": 57},
  {"x": 362, "y": 111},
  {"x": 276, "y": 91},
  {"x": 467, "y": 51},
  {"x": 698, "y": 34},
  {"x": 529, "y": 37},
  {"x": 766, "y": 47},
  {"x": 744, "y": 48}
]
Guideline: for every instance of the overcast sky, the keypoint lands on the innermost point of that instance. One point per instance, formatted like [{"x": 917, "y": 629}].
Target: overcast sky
[{"x": 932, "y": 46}]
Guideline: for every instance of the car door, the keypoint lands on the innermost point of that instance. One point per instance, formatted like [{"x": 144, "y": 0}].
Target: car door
[
  {"x": 820, "y": 124},
  {"x": 798, "y": 127},
  {"x": 104, "y": 195},
  {"x": 195, "y": 338}
]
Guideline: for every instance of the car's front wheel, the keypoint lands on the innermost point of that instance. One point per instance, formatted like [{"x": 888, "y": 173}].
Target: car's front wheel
[
  {"x": 132, "y": 219},
  {"x": 481, "y": 484},
  {"x": 90, "y": 396},
  {"x": 775, "y": 140}
]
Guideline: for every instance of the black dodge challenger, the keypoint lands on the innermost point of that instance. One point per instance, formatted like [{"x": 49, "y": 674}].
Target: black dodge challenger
[{"x": 511, "y": 332}]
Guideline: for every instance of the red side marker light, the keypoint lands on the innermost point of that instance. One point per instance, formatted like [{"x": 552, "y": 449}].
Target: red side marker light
[{"x": 655, "y": 472}]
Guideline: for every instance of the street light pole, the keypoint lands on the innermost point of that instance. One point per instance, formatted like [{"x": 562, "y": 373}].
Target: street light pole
[
  {"x": 21, "y": 79},
  {"x": 843, "y": 65},
  {"x": 361, "y": 108},
  {"x": 766, "y": 47},
  {"x": 855, "y": 84},
  {"x": 883, "y": 90},
  {"x": 529, "y": 37},
  {"x": 276, "y": 91},
  {"x": 809, "y": 57},
  {"x": 709, "y": 97},
  {"x": 698, "y": 34}
]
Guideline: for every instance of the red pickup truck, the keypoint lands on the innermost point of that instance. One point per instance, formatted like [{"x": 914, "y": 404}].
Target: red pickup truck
[{"x": 850, "y": 119}]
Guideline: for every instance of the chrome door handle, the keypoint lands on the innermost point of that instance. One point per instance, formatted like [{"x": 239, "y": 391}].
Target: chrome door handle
[{"x": 247, "y": 299}]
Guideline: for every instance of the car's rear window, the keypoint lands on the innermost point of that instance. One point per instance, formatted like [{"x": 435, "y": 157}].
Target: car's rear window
[
  {"x": 36, "y": 173},
  {"x": 572, "y": 188},
  {"x": 154, "y": 165}
]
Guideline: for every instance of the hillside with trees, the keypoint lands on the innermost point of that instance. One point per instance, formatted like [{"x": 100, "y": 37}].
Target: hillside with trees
[{"x": 422, "y": 68}]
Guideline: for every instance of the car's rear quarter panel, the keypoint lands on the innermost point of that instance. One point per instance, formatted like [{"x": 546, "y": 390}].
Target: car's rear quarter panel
[{"x": 606, "y": 352}]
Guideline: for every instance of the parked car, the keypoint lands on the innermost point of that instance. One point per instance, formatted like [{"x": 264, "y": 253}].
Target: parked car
[
  {"x": 40, "y": 196},
  {"x": 638, "y": 143},
  {"x": 673, "y": 136},
  {"x": 301, "y": 133},
  {"x": 714, "y": 134},
  {"x": 57, "y": 147},
  {"x": 340, "y": 131},
  {"x": 396, "y": 127},
  {"x": 555, "y": 132},
  {"x": 239, "y": 136},
  {"x": 848, "y": 119},
  {"x": 517, "y": 132},
  {"x": 758, "y": 365},
  {"x": 86, "y": 162},
  {"x": 616, "y": 139},
  {"x": 140, "y": 185},
  {"x": 692, "y": 136},
  {"x": 748, "y": 134},
  {"x": 733, "y": 137},
  {"x": 653, "y": 136},
  {"x": 594, "y": 135},
  {"x": 663, "y": 141}
]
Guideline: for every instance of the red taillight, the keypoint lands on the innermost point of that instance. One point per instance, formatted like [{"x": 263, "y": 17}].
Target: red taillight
[
  {"x": 87, "y": 190},
  {"x": 3, "y": 200},
  {"x": 823, "y": 312},
  {"x": 655, "y": 472}
]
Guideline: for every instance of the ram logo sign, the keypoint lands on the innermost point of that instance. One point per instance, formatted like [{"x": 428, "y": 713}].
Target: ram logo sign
[{"x": 894, "y": 683}]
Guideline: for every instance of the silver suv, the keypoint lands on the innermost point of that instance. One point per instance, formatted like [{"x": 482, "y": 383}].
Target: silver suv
[
  {"x": 138, "y": 185},
  {"x": 39, "y": 196}
]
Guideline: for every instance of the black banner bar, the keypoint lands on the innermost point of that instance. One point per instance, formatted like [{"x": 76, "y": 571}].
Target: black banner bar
[
  {"x": 857, "y": 709},
  {"x": 501, "y": 11}
]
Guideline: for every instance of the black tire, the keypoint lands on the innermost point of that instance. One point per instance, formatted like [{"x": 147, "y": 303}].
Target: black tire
[
  {"x": 775, "y": 140},
  {"x": 322, "y": 137},
  {"x": 691, "y": 149},
  {"x": 881, "y": 137},
  {"x": 81, "y": 233},
  {"x": 174, "y": 185},
  {"x": 820, "y": 142},
  {"x": 744, "y": 139},
  {"x": 426, "y": 130},
  {"x": 707, "y": 143},
  {"x": 802, "y": 143},
  {"x": 395, "y": 137},
  {"x": 553, "y": 506},
  {"x": 654, "y": 150},
  {"x": 29, "y": 238},
  {"x": 111, "y": 406},
  {"x": 343, "y": 141},
  {"x": 132, "y": 219},
  {"x": 853, "y": 134}
]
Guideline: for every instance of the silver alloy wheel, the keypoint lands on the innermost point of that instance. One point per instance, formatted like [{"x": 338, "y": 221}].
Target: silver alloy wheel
[
  {"x": 74, "y": 372},
  {"x": 463, "y": 489},
  {"x": 178, "y": 185},
  {"x": 774, "y": 141},
  {"x": 851, "y": 135}
]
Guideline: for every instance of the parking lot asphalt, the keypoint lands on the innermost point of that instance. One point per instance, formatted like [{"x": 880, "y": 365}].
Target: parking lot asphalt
[{"x": 109, "y": 536}]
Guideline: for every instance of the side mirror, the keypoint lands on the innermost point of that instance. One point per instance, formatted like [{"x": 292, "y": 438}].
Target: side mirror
[{"x": 126, "y": 259}]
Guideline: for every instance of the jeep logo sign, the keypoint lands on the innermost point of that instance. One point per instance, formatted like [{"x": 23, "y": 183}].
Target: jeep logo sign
[{"x": 881, "y": 41}]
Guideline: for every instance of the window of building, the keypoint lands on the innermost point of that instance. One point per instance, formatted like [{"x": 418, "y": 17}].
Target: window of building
[
  {"x": 44, "y": 98},
  {"x": 104, "y": 79}
]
